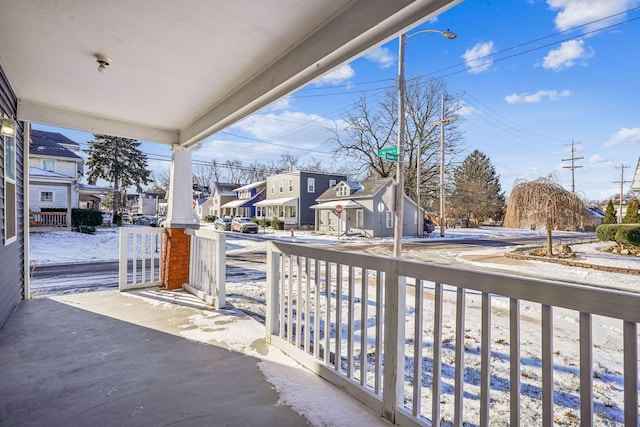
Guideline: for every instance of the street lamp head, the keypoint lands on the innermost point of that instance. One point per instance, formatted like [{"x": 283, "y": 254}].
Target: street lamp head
[{"x": 449, "y": 35}]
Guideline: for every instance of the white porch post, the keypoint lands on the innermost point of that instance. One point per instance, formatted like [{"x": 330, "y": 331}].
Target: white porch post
[{"x": 180, "y": 202}]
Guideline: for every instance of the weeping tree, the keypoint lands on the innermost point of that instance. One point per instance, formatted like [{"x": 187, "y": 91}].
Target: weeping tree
[{"x": 543, "y": 202}]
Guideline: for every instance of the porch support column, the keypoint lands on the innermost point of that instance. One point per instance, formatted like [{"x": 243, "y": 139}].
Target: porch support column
[{"x": 180, "y": 216}]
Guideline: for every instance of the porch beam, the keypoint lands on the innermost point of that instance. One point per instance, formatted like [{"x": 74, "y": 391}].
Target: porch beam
[{"x": 180, "y": 212}]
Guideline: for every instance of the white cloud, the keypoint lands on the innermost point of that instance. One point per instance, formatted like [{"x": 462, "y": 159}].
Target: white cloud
[
  {"x": 336, "y": 76},
  {"x": 281, "y": 104},
  {"x": 534, "y": 98},
  {"x": 625, "y": 136},
  {"x": 381, "y": 56},
  {"x": 597, "y": 158},
  {"x": 466, "y": 110},
  {"x": 578, "y": 12},
  {"x": 566, "y": 55},
  {"x": 478, "y": 58}
]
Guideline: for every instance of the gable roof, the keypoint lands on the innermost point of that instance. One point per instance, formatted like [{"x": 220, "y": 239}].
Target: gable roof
[
  {"x": 364, "y": 190},
  {"x": 224, "y": 189},
  {"x": 49, "y": 144}
]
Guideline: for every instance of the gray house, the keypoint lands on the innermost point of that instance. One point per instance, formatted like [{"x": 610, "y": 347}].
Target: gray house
[
  {"x": 364, "y": 208},
  {"x": 291, "y": 194}
]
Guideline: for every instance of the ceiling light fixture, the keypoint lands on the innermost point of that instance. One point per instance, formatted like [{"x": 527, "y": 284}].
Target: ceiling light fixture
[{"x": 103, "y": 60}]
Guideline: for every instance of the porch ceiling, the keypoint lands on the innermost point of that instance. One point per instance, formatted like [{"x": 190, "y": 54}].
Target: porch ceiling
[{"x": 181, "y": 71}]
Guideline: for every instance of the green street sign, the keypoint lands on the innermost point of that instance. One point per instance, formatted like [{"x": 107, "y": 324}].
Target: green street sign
[
  {"x": 391, "y": 156},
  {"x": 391, "y": 150}
]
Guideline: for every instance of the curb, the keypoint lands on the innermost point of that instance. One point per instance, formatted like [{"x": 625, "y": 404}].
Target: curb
[{"x": 606, "y": 268}]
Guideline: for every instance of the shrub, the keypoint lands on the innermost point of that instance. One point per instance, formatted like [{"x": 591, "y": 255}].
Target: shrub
[
  {"x": 264, "y": 222},
  {"x": 88, "y": 217},
  {"x": 117, "y": 219},
  {"x": 277, "y": 224},
  {"x": 629, "y": 236},
  {"x": 209, "y": 218}
]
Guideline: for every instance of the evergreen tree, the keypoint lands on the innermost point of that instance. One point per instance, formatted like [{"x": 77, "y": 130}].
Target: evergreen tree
[
  {"x": 632, "y": 216},
  {"x": 118, "y": 161},
  {"x": 610, "y": 214},
  {"x": 476, "y": 188}
]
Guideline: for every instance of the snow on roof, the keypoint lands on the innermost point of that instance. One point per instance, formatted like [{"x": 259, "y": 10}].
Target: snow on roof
[
  {"x": 250, "y": 186},
  {"x": 45, "y": 173}
]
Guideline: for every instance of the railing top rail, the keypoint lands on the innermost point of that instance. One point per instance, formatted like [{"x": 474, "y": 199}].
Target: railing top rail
[
  {"x": 139, "y": 230},
  {"x": 204, "y": 233},
  {"x": 599, "y": 301}
]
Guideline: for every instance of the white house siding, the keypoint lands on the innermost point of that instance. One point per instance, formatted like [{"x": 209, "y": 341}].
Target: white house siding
[
  {"x": 60, "y": 196},
  {"x": 63, "y": 167}
]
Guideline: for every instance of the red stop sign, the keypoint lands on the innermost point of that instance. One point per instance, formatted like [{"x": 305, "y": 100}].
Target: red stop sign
[{"x": 339, "y": 209}]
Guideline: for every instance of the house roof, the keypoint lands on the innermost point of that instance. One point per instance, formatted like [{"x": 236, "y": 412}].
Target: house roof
[
  {"x": 285, "y": 201},
  {"x": 181, "y": 71},
  {"x": 635, "y": 184},
  {"x": 346, "y": 204},
  {"x": 224, "y": 189},
  {"x": 364, "y": 190},
  {"x": 49, "y": 144},
  {"x": 250, "y": 186},
  {"x": 37, "y": 174}
]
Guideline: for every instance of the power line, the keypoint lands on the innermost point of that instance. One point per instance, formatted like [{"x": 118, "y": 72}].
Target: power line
[
  {"x": 621, "y": 182},
  {"x": 573, "y": 166}
]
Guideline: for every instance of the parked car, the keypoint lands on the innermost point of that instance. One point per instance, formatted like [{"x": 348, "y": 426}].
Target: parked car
[
  {"x": 223, "y": 224},
  {"x": 243, "y": 225}
]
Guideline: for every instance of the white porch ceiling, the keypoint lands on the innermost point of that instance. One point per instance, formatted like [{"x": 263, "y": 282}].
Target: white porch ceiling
[{"x": 182, "y": 70}]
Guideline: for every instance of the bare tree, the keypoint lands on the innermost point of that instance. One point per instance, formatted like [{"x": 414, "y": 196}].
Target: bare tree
[
  {"x": 207, "y": 174},
  {"x": 161, "y": 180},
  {"x": 543, "y": 202},
  {"x": 372, "y": 125}
]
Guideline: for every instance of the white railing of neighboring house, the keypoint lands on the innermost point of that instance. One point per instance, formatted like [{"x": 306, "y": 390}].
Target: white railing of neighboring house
[
  {"x": 207, "y": 266},
  {"x": 430, "y": 345},
  {"x": 141, "y": 250},
  {"x": 49, "y": 219}
]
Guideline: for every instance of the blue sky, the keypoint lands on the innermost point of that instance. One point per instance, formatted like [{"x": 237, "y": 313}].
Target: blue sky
[{"x": 534, "y": 76}]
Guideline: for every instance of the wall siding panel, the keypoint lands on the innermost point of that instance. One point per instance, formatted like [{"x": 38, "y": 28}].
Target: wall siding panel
[{"x": 12, "y": 257}]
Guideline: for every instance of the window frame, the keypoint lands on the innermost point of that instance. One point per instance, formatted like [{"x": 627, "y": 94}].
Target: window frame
[
  {"x": 43, "y": 163},
  {"x": 52, "y": 196},
  {"x": 389, "y": 219},
  {"x": 311, "y": 185},
  {"x": 10, "y": 189},
  {"x": 360, "y": 218}
]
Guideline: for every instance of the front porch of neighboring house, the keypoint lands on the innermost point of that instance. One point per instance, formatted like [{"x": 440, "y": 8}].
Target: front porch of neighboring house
[
  {"x": 50, "y": 190},
  {"x": 283, "y": 209}
]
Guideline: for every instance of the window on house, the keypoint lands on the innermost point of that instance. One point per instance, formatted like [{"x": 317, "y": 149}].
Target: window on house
[
  {"x": 359, "y": 218},
  {"x": 329, "y": 216},
  {"x": 290, "y": 185},
  {"x": 311, "y": 185},
  {"x": 10, "y": 207},
  {"x": 49, "y": 165},
  {"x": 46, "y": 196},
  {"x": 281, "y": 186},
  {"x": 273, "y": 187},
  {"x": 332, "y": 182},
  {"x": 389, "y": 219}
]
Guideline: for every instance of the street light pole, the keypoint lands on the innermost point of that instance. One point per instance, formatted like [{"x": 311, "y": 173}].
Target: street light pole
[{"x": 399, "y": 190}]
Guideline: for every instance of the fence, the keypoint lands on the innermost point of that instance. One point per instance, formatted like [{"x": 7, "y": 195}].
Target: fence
[
  {"x": 141, "y": 251},
  {"x": 207, "y": 266},
  {"x": 429, "y": 345},
  {"x": 49, "y": 219}
]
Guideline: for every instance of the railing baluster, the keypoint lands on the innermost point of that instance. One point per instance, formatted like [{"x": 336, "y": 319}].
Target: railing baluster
[
  {"x": 437, "y": 354},
  {"x": 316, "y": 312},
  {"x": 379, "y": 323},
  {"x": 630, "y": 332},
  {"x": 485, "y": 360},
  {"x": 514, "y": 361},
  {"x": 338, "y": 349},
  {"x": 459, "y": 369},
  {"x": 307, "y": 305},
  {"x": 283, "y": 295},
  {"x": 364, "y": 316},
  {"x": 586, "y": 371},
  {"x": 298, "y": 301},
  {"x": 547, "y": 365},
  {"x": 417, "y": 346},
  {"x": 350, "y": 321},
  {"x": 290, "y": 305},
  {"x": 327, "y": 315}
]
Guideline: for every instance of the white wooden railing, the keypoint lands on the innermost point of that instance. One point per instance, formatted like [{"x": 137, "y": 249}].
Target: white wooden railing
[
  {"x": 207, "y": 266},
  {"x": 428, "y": 345},
  {"x": 141, "y": 250},
  {"x": 49, "y": 219}
]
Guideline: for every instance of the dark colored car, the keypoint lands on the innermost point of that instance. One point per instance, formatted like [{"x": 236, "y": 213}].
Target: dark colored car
[
  {"x": 429, "y": 226},
  {"x": 223, "y": 224},
  {"x": 243, "y": 225}
]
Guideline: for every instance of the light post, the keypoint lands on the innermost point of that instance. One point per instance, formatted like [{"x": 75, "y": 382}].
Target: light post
[{"x": 399, "y": 194}]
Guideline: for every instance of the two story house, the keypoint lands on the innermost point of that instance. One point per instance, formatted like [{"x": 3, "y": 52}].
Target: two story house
[
  {"x": 246, "y": 198},
  {"x": 221, "y": 194},
  {"x": 291, "y": 194},
  {"x": 364, "y": 208},
  {"x": 55, "y": 167}
]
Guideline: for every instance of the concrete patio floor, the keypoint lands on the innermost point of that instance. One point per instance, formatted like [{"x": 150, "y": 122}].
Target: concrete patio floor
[{"x": 155, "y": 357}]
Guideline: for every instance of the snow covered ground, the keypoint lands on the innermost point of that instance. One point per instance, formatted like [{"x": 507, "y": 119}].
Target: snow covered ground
[{"x": 248, "y": 292}]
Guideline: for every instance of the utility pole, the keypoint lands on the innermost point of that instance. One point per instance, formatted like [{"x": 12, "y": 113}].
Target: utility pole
[
  {"x": 442, "y": 122},
  {"x": 622, "y": 182},
  {"x": 573, "y": 166}
]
